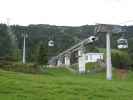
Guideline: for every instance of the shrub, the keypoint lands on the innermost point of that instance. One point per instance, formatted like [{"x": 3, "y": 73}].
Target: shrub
[
  {"x": 24, "y": 68},
  {"x": 75, "y": 67},
  {"x": 90, "y": 66},
  {"x": 93, "y": 67},
  {"x": 120, "y": 59}
]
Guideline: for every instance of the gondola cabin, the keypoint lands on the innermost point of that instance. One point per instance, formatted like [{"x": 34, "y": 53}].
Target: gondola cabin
[
  {"x": 122, "y": 43},
  {"x": 51, "y": 43}
]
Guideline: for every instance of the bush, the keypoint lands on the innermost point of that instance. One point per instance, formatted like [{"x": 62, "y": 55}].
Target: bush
[
  {"x": 120, "y": 59},
  {"x": 24, "y": 68},
  {"x": 93, "y": 67},
  {"x": 75, "y": 67},
  {"x": 90, "y": 66}
]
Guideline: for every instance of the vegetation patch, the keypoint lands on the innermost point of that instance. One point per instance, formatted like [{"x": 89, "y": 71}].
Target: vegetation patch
[
  {"x": 60, "y": 84},
  {"x": 24, "y": 68}
]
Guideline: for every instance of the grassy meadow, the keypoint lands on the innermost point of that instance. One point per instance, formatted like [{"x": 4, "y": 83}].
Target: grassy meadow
[{"x": 60, "y": 84}]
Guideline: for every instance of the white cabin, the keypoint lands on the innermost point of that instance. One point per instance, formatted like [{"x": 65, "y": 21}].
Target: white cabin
[{"x": 122, "y": 43}]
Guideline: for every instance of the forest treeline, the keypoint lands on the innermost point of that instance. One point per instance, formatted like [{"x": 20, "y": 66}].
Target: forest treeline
[{"x": 63, "y": 37}]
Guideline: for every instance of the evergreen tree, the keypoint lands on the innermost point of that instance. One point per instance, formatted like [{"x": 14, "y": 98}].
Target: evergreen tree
[
  {"x": 42, "y": 58},
  {"x": 5, "y": 42}
]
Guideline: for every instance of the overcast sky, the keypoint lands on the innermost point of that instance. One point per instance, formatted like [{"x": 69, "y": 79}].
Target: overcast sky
[{"x": 67, "y": 12}]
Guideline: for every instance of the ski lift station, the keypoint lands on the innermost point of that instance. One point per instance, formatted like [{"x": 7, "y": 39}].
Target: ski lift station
[{"x": 81, "y": 57}]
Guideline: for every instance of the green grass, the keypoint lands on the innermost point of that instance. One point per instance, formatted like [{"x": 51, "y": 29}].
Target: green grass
[{"x": 60, "y": 84}]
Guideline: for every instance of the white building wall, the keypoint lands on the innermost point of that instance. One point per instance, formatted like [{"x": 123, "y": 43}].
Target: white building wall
[{"x": 93, "y": 57}]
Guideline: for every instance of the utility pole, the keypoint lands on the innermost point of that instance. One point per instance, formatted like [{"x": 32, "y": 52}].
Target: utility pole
[
  {"x": 108, "y": 58},
  {"x": 24, "y": 60},
  {"x": 108, "y": 29},
  {"x": 24, "y": 48}
]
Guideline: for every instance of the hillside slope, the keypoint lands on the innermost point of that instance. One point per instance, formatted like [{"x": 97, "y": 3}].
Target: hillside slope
[{"x": 59, "y": 84}]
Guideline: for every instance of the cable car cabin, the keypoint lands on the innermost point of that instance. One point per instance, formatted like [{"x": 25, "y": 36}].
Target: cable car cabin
[
  {"x": 51, "y": 43},
  {"x": 122, "y": 43}
]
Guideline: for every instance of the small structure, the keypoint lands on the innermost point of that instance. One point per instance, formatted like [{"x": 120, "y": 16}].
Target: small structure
[
  {"x": 93, "y": 57},
  {"x": 122, "y": 43},
  {"x": 51, "y": 43},
  {"x": 64, "y": 57}
]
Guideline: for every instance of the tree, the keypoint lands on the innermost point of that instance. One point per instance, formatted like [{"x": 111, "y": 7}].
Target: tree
[
  {"x": 91, "y": 48},
  {"x": 120, "y": 59},
  {"x": 42, "y": 58},
  {"x": 5, "y": 42}
]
